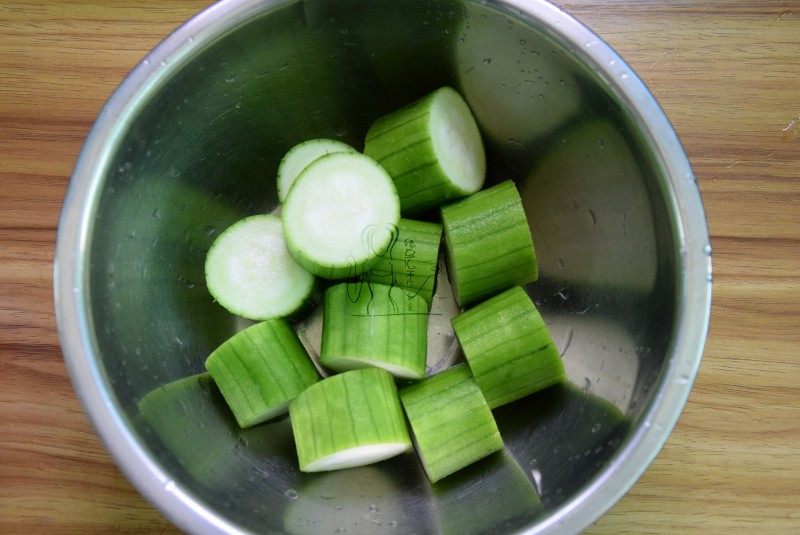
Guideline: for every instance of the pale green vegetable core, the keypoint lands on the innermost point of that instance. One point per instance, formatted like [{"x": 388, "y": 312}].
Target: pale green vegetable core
[
  {"x": 340, "y": 215},
  {"x": 251, "y": 273}
]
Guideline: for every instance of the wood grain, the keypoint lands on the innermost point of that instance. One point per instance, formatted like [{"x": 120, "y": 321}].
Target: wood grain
[{"x": 727, "y": 75}]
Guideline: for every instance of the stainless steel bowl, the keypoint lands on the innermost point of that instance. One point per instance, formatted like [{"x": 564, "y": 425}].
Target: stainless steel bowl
[{"x": 190, "y": 142}]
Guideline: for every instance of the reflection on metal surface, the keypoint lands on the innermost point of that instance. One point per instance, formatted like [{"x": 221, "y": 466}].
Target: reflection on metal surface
[
  {"x": 524, "y": 85},
  {"x": 377, "y": 499},
  {"x": 591, "y": 177},
  {"x": 565, "y": 435},
  {"x": 495, "y": 490},
  {"x": 602, "y": 358}
]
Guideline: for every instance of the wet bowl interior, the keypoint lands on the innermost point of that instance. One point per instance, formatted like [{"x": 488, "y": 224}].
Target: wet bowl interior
[{"x": 190, "y": 143}]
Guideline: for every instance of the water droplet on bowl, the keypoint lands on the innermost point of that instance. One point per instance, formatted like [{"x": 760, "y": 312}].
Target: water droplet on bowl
[
  {"x": 567, "y": 340},
  {"x": 587, "y": 385}
]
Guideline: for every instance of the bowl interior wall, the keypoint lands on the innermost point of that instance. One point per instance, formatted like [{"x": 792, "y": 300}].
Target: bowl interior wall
[{"x": 201, "y": 151}]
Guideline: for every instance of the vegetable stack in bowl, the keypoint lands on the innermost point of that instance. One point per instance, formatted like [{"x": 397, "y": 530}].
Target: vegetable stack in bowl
[{"x": 364, "y": 231}]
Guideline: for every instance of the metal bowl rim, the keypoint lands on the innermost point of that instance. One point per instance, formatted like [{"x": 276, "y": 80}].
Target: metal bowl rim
[{"x": 74, "y": 233}]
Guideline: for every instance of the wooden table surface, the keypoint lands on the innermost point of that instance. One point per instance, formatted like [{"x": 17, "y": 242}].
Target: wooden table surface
[{"x": 728, "y": 77}]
